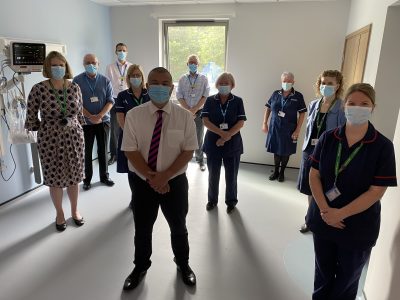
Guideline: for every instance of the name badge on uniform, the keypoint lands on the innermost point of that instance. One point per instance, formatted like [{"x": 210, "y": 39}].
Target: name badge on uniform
[
  {"x": 192, "y": 95},
  {"x": 223, "y": 126},
  {"x": 281, "y": 114},
  {"x": 94, "y": 99},
  {"x": 314, "y": 142},
  {"x": 333, "y": 193}
]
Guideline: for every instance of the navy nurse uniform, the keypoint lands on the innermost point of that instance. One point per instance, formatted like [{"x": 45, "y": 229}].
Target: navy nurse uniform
[
  {"x": 340, "y": 254},
  {"x": 279, "y": 138},
  {"x": 229, "y": 153}
]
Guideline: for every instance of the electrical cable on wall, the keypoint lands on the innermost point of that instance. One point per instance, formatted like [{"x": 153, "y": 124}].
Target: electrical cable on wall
[{"x": 12, "y": 156}]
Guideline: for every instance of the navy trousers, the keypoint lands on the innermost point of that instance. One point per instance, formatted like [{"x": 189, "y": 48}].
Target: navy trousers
[
  {"x": 337, "y": 270},
  {"x": 174, "y": 206},
  {"x": 231, "y": 165}
]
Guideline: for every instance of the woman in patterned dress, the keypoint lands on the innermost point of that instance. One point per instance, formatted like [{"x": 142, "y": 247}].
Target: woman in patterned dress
[{"x": 60, "y": 135}]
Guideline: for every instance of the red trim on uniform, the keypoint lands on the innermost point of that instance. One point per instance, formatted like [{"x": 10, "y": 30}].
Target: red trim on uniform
[
  {"x": 373, "y": 139},
  {"x": 313, "y": 158},
  {"x": 385, "y": 177},
  {"x": 336, "y": 134}
]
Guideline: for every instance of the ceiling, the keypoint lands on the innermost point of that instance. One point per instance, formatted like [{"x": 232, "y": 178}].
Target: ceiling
[{"x": 171, "y": 2}]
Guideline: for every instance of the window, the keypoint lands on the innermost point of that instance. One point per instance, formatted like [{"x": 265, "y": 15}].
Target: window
[{"x": 207, "y": 39}]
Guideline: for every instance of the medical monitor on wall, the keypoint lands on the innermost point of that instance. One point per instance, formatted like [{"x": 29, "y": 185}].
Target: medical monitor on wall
[{"x": 27, "y": 57}]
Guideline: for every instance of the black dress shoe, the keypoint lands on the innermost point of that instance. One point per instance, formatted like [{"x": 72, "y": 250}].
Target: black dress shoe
[
  {"x": 86, "y": 186},
  {"x": 61, "y": 227},
  {"x": 281, "y": 177},
  {"x": 188, "y": 276},
  {"x": 274, "y": 176},
  {"x": 107, "y": 182},
  {"x": 230, "y": 208},
  {"x": 133, "y": 280},
  {"x": 112, "y": 160},
  {"x": 304, "y": 228},
  {"x": 79, "y": 222},
  {"x": 210, "y": 205}
]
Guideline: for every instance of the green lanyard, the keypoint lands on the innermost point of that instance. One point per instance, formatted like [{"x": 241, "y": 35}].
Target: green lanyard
[
  {"x": 136, "y": 100},
  {"x": 63, "y": 104},
  {"x": 320, "y": 122},
  {"x": 347, "y": 161}
]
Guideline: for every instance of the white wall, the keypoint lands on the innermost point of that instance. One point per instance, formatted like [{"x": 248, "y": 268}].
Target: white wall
[
  {"x": 80, "y": 24},
  {"x": 263, "y": 41}
]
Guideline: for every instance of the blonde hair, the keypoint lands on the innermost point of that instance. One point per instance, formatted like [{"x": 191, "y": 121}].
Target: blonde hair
[
  {"x": 330, "y": 73},
  {"x": 47, "y": 65},
  {"x": 364, "y": 88},
  {"x": 131, "y": 69},
  {"x": 226, "y": 75}
]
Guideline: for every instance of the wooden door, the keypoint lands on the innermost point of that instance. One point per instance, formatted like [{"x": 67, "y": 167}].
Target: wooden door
[{"x": 355, "y": 55}]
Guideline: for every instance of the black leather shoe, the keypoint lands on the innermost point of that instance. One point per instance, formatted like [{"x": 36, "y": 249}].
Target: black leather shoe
[
  {"x": 133, "y": 280},
  {"x": 281, "y": 177},
  {"x": 107, "y": 182},
  {"x": 230, "y": 208},
  {"x": 304, "y": 228},
  {"x": 79, "y": 222},
  {"x": 112, "y": 160},
  {"x": 61, "y": 227},
  {"x": 188, "y": 276},
  {"x": 86, "y": 186},
  {"x": 274, "y": 176},
  {"x": 210, "y": 205}
]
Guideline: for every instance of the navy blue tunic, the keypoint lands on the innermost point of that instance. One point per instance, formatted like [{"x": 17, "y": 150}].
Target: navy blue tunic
[
  {"x": 126, "y": 100},
  {"x": 374, "y": 164},
  {"x": 279, "y": 137},
  {"x": 234, "y": 112}
]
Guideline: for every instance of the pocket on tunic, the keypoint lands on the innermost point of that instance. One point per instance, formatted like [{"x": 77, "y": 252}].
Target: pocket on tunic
[{"x": 175, "y": 138}]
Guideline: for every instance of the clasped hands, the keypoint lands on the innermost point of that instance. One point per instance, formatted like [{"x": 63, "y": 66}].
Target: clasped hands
[
  {"x": 96, "y": 119},
  {"x": 159, "y": 182},
  {"x": 333, "y": 217},
  {"x": 224, "y": 137}
]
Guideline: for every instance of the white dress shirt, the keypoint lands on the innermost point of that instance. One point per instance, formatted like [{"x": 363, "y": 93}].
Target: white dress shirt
[
  {"x": 178, "y": 134},
  {"x": 116, "y": 72}
]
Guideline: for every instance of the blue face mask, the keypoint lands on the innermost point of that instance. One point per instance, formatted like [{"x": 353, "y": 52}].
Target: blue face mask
[
  {"x": 357, "y": 115},
  {"x": 224, "y": 89},
  {"x": 121, "y": 55},
  {"x": 91, "y": 69},
  {"x": 286, "y": 86},
  {"x": 192, "y": 68},
  {"x": 159, "y": 93},
  {"x": 57, "y": 72},
  {"x": 135, "y": 82},
  {"x": 327, "y": 90}
]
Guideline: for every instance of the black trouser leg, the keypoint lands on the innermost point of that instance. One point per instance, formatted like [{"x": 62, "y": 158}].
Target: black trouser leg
[
  {"x": 89, "y": 133},
  {"x": 114, "y": 129},
  {"x": 101, "y": 137},
  {"x": 277, "y": 162},
  {"x": 284, "y": 162},
  {"x": 214, "y": 163}
]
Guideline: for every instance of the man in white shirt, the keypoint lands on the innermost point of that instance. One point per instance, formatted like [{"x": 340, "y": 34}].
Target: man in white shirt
[
  {"x": 193, "y": 90},
  {"x": 116, "y": 72},
  {"x": 159, "y": 140}
]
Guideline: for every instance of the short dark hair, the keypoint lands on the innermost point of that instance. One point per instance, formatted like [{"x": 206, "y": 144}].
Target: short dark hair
[
  {"x": 120, "y": 44},
  {"x": 160, "y": 70}
]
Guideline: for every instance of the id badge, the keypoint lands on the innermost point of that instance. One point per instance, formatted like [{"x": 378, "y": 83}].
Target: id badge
[
  {"x": 192, "y": 95},
  {"x": 94, "y": 99},
  {"x": 223, "y": 126},
  {"x": 314, "y": 142},
  {"x": 281, "y": 114},
  {"x": 333, "y": 193}
]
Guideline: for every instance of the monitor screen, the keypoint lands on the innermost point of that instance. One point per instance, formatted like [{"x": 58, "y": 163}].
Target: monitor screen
[{"x": 28, "y": 53}]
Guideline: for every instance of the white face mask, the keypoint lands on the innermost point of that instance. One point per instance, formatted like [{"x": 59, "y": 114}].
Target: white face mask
[{"x": 357, "y": 115}]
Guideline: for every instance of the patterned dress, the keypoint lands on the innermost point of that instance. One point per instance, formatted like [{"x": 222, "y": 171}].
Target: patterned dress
[{"x": 61, "y": 147}]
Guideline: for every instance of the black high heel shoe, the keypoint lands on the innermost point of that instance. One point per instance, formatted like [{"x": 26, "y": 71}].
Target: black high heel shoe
[
  {"x": 61, "y": 227},
  {"x": 79, "y": 222}
]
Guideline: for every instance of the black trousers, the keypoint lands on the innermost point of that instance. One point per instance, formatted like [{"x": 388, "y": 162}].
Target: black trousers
[
  {"x": 337, "y": 270},
  {"x": 174, "y": 206},
  {"x": 100, "y": 132}
]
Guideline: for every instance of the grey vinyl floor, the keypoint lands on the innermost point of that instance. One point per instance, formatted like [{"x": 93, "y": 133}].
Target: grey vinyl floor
[{"x": 255, "y": 253}]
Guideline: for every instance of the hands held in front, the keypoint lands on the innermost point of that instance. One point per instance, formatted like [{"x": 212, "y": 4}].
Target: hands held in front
[
  {"x": 96, "y": 119},
  {"x": 159, "y": 182},
  {"x": 333, "y": 217}
]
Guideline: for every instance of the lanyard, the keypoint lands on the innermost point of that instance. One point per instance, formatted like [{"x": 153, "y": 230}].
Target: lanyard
[
  {"x": 63, "y": 104},
  {"x": 223, "y": 112},
  {"x": 136, "y": 100},
  {"x": 194, "y": 82},
  {"x": 347, "y": 161},
  {"x": 122, "y": 74},
  {"x": 90, "y": 85},
  {"x": 283, "y": 102},
  {"x": 320, "y": 122}
]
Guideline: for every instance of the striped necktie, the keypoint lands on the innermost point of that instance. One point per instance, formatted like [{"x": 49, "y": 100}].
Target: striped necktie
[{"x": 155, "y": 142}]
